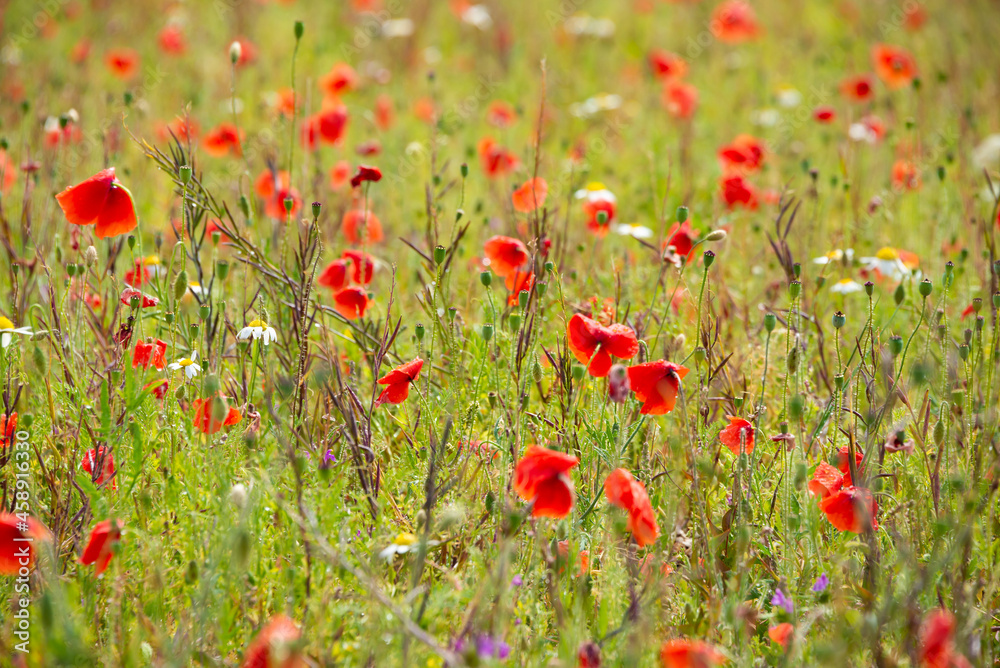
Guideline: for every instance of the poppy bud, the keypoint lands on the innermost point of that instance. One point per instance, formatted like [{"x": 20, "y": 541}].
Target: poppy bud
[
  {"x": 899, "y": 294},
  {"x": 131, "y": 241},
  {"x": 216, "y": 237},
  {"x": 940, "y": 172},
  {"x": 619, "y": 386},
  {"x": 795, "y": 289},
  {"x": 317, "y": 207},
  {"x": 738, "y": 403},
  {"x": 926, "y": 287},
  {"x": 90, "y": 256},
  {"x": 418, "y": 331},
  {"x": 838, "y": 381},
  {"x": 522, "y": 298},
  {"x": 968, "y": 335},
  {"x": 127, "y": 98},
  {"x": 299, "y": 30},
  {"x": 485, "y": 277},
  {"x": 896, "y": 345},
  {"x": 536, "y": 371},
  {"x": 699, "y": 355},
  {"x": 492, "y": 396},
  {"x": 963, "y": 351},
  {"x": 796, "y": 405},
  {"x": 550, "y": 267},
  {"x": 220, "y": 409},
  {"x": 487, "y": 332},
  {"x": 181, "y": 284},
  {"x": 439, "y": 254},
  {"x": 682, "y": 214},
  {"x": 27, "y": 421},
  {"x": 40, "y": 360},
  {"x": 288, "y": 203},
  {"x": 515, "y": 322},
  {"x": 185, "y": 174},
  {"x": 235, "y": 51},
  {"x": 71, "y": 270},
  {"x": 245, "y": 206},
  {"x": 578, "y": 371},
  {"x": 212, "y": 384},
  {"x": 797, "y": 269},
  {"x": 191, "y": 574},
  {"x": 939, "y": 430},
  {"x": 168, "y": 317},
  {"x": 716, "y": 235},
  {"x": 820, "y": 281},
  {"x": 839, "y": 319},
  {"x": 980, "y": 321},
  {"x": 602, "y": 218},
  {"x": 709, "y": 259},
  {"x": 241, "y": 547},
  {"x": 996, "y": 298},
  {"x": 222, "y": 269},
  {"x": 793, "y": 360},
  {"x": 770, "y": 320}
]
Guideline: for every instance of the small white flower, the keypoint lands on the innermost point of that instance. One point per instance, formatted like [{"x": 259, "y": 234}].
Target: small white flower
[
  {"x": 637, "y": 231},
  {"x": 397, "y": 28},
  {"x": 405, "y": 542},
  {"x": 595, "y": 192},
  {"x": 888, "y": 263},
  {"x": 837, "y": 255},
  {"x": 7, "y": 331},
  {"x": 189, "y": 364},
  {"x": 846, "y": 286},
  {"x": 595, "y": 105},
  {"x": 766, "y": 118},
  {"x": 152, "y": 265},
  {"x": 478, "y": 16},
  {"x": 788, "y": 97},
  {"x": 861, "y": 132},
  {"x": 987, "y": 154},
  {"x": 258, "y": 329}
]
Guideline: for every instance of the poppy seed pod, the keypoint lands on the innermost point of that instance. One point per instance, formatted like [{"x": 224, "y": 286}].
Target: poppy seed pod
[
  {"x": 926, "y": 287},
  {"x": 185, "y": 174},
  {"x": 487, "y": 332},
  {"x": 797, "y": 269},
  {"x": 770, "y": 321},
  {"x": 317, "y": 208},
  {"x": 899, "y": 294},
  {"x": 515, "y": 322},
  {"x": 896, "y": 345},
  {"x": 486, "y": 278},
  {"x": 869, "y": 288},
  {"x": 794, "y": 289},
  {"x": 222, "y": 269},
  {"x": 418, "y": 331},
  {"x": 300, "y": 28},
  {"x": 522, "y": 298},
  {"x": 465, "y": 169},
  {"x": 439, "y": 254},
  {"x": 212, "y": 384},
  {"x": 839, "y": 319},
  {"x": 682, "y": 214},
  {"x": 709, "y": 258}
]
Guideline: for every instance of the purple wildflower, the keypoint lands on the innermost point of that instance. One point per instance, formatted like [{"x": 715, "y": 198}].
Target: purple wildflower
[
  {"x": 822, "y": 582},
  {"x": 783, "y": 601},
  {"x": 516, "y": 581}
]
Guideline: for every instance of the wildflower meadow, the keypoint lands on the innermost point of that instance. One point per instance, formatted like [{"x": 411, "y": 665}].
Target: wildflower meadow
[{"x": 568, "y": 333}]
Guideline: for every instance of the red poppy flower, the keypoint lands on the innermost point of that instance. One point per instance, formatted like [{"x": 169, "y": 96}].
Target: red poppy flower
[
  {"x": 681, "y": 237},
  {"x": 309, "y": 134},
  {"x": 905, "y": 175},
  {"x": 137, "y": 275},
  {"x": 158, "y": 388},
  {"x": 335, "y": 275},
  {"x": 893, "y": 65},
  {"x": 625, "y": 492},
  {"x": 185, "y": 129},
  {"x": 205, "y": 420},
  {"x": 656, "y": 385},
  {"x": 495, "y": 159},
  {"x": 340, "y": 175},
  {"x": 738, "y": 431},
  {"x": 276, "y": 642},
  {"x": 684, "y": 653},
  {"x": 397, "y": 382},
  {"x": 826, "y": 481},
  {"x": 745, "y": 153},
  {"x": 385, "y": 112},
  {"x": 332, "y": 123},
  {"x": 736, "y": 190},
  {"x": 937, "y": 642},
  {"x": 248, "y": 51},
  {"x": 734, "y": 22},
  {"x": 851, "y": 509},
  {"x": 593, "y": 344},
  {"x": 666, "y": 65},
  {"x": 500, "y": 114},
  {"x": 212, "y": 227},
  {"x": 363, "y": 264},
  {"x": 17, "y": 550},
  {"x": 129, "y": 293},
  {"x": 858, "y": 88},
  {"x": 518, "y": 282},
  {"x": 366, "y": 174},
  {"x": 222, "y": 140},
  {"x": 150, "y": 352},
  {"x": 506, "y": 255},
  {"x": 100, "y": 547},
  {"x": 123, "y": 63},
  {"x": 101, "y": 201},
  {"x": 360, "y": 227},
  {"x": 80, "y": 51},
  {"x": 274, "y": 188},
  {"x": 8, "y": 172},
  {"x": 531, "y": 195},
  {"x": 103, "y": 458},
  {"x": 339, "y": 80},
  {"x": 351, "y": 302},
  {"x": 8, "y": 426},
  {"x": 824, "y": 114},
  {"x": 843, "y": 460},
  {"x": 680, "y": 99},
  {"x": 593, "y": 207},
  {"x": 171, "y": 40},
  {"x": 540, "y": 476},
  {"x": 781, "y": 633}
]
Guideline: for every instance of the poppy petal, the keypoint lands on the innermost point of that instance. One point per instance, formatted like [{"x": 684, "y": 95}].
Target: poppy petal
[
  {"x": 83, "y": 202},
  {"x": 118, "y": 215},
  {"x": 553, "y": 498}
]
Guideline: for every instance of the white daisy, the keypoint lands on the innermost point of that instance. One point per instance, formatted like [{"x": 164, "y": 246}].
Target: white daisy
[
  {"x": 478, "y": 16},
  {"x": 637, "y": 231},
  {"x": 189, "y": 364},
  {"x": 397, "y": 28},
  {"x": 788, "y": 97},
  {"x": 837, "y": 255},
  {"x": 7, "y": 331},
  {"x": 846, "y": 286},
  {"x": 887, "y": 262},
  {"x": 404, "y": 542},
  {"x": 595, "y": 105},
  {"x": 595, "y": 192},
  {"x": 862, "y": 132},
  {"x": 196, "y": 289},
  {"x": 152, "y": 265},
  {"x": 258, "y": 329}
]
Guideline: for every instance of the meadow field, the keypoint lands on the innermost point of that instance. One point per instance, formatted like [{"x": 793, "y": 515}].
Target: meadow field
[{"x": 567, "y": 333}]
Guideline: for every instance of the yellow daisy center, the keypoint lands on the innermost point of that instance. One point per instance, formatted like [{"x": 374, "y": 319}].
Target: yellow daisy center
[
  {"x": 594, "y": 186},
  {"x": 887, "y": 253},
  {"x": 5, "y": 323},
  {"x": 405, "y": 539},
  {"x": 258, "y": 323},
  {"x": 186, "y": 362},
  {"x": 151, "y": 260}
]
